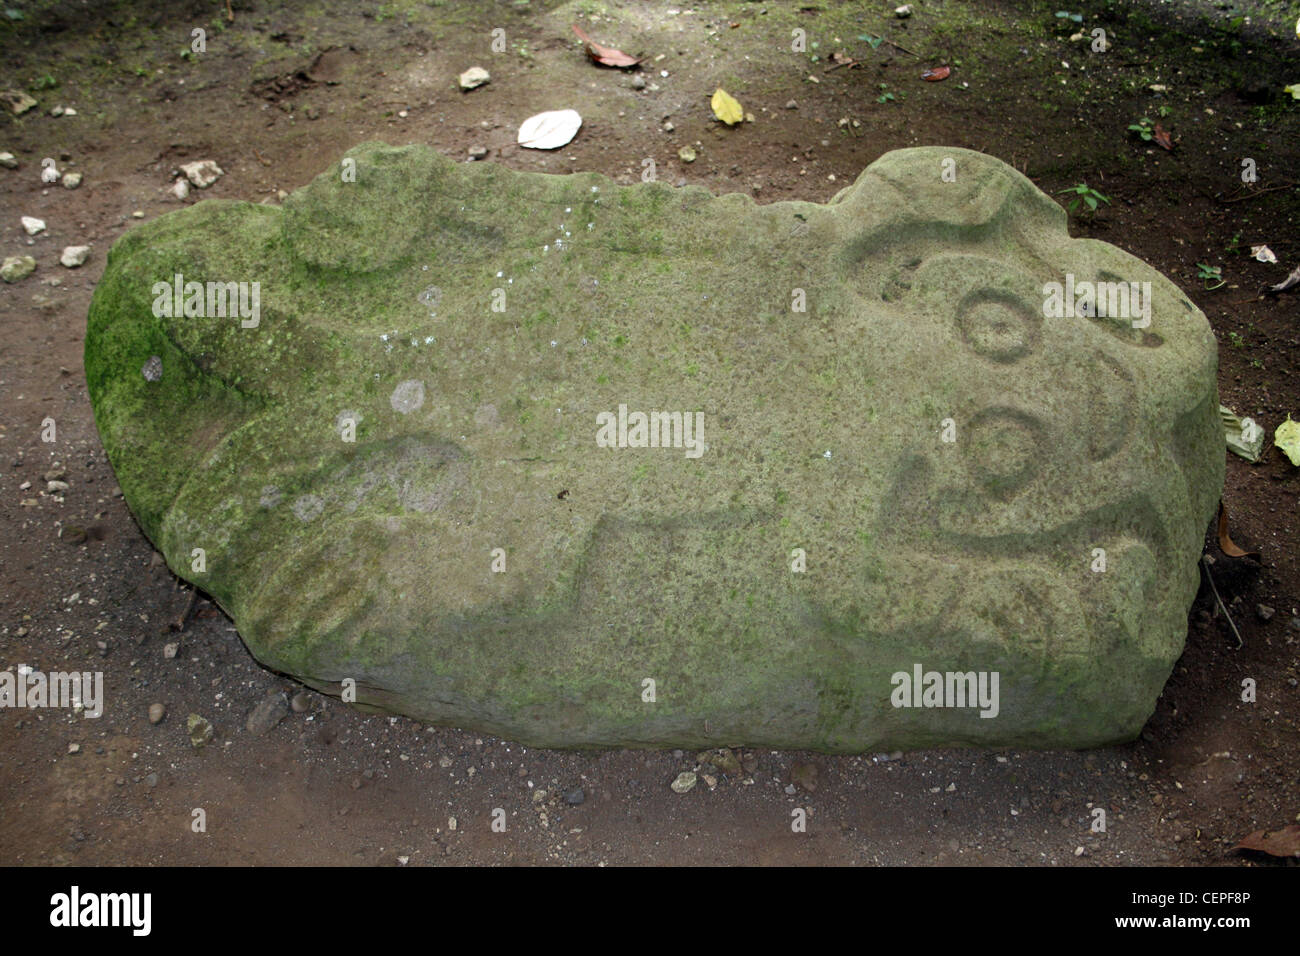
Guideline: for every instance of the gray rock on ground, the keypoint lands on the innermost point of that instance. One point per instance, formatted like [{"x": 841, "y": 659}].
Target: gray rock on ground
[{"x": 268, "y": 712}]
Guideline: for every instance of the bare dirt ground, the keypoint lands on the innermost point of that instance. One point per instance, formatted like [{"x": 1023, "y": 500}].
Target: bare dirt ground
[{"x": 283, "y": 89}]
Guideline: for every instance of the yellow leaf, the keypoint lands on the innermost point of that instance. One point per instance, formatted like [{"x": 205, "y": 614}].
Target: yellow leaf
[
  {"x": 1294, "y": 90},
  {"x": 1287, "y": 438},
  {"x": 726, "y": 108}
]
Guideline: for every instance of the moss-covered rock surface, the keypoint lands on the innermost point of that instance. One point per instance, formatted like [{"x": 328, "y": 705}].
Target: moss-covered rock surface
[{"x": 392, "y": 472}]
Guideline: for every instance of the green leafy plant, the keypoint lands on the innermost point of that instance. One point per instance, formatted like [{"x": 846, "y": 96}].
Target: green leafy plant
[
  {"x": 1236, "y": 340},
  {"x": 1233, "y": 245},
  {"x": 1143, "y": 128},
  {"x": 1085, "y": 195},
  {"x": 885, "y": 96},
  {"x": 1208, "y": 274},
  {"x": 1067, "y": 15}
]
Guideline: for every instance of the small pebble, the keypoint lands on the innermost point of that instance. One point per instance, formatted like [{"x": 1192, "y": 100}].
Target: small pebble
[
  {"x": 74, "y": 256},
  {"x": 202, "y": 173},
  {"x": 199, "y": 729},
  {"x": 474, "y": 77}
]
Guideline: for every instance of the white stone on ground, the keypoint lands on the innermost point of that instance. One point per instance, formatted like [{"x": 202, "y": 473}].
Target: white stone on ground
[{"x": 74, "y": 256}]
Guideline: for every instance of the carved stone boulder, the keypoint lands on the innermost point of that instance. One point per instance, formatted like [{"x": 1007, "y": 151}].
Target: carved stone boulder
[{"x": 589, "y": 465}]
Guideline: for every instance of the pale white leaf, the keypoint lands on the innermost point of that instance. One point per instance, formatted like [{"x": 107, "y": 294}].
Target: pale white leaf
[{"x": 549, "y": 130}]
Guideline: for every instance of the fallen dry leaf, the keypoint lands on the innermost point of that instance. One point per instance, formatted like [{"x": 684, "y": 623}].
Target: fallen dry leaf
[
  {"x": 1289, "y": 282},
  {"x": 936, "y": 73},
  {"x": 1225, "y": 542},
  {"x": 1286, "y": 439},
  {"x": 1161, "y": 136},
  {"x": 549, "y": 130},
  {"x": 726, "y": 108},
  {"x": 1283, "y": 842},
  {"x": 606, "y": 55}
]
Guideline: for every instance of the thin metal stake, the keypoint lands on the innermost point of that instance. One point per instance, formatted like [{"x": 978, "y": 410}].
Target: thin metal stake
[{"x": 1236, "y": 633}]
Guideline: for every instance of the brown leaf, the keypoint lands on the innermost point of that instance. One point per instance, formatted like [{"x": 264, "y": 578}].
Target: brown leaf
[
  {"x": 1283, "y": 842},
  {"x": 1161, "y": 136},
  {"x": 606, "y": 55},
  {"x": 1225, "y": 542},
  {"x": 936, "y": 73}
]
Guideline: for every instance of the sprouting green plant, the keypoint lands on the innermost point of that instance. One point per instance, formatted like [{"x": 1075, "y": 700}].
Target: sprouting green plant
[
  {"x": 1233, "y": 244},
  {"x": 885, "y": 96},
  {"x": 1143, "y": 128},
  {"x": 1208, "y": 274},
  {"x": 1236, "y": 340},
  {"x": 1085, "y": 195},
  {"x": 1067, "y": 15},
  {"x": 1256, "y": 363},
  {"x": 873, "y": 40}
]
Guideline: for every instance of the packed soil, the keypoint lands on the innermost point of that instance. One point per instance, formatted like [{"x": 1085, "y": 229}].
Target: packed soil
[{"x": 279, "y": 91}]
